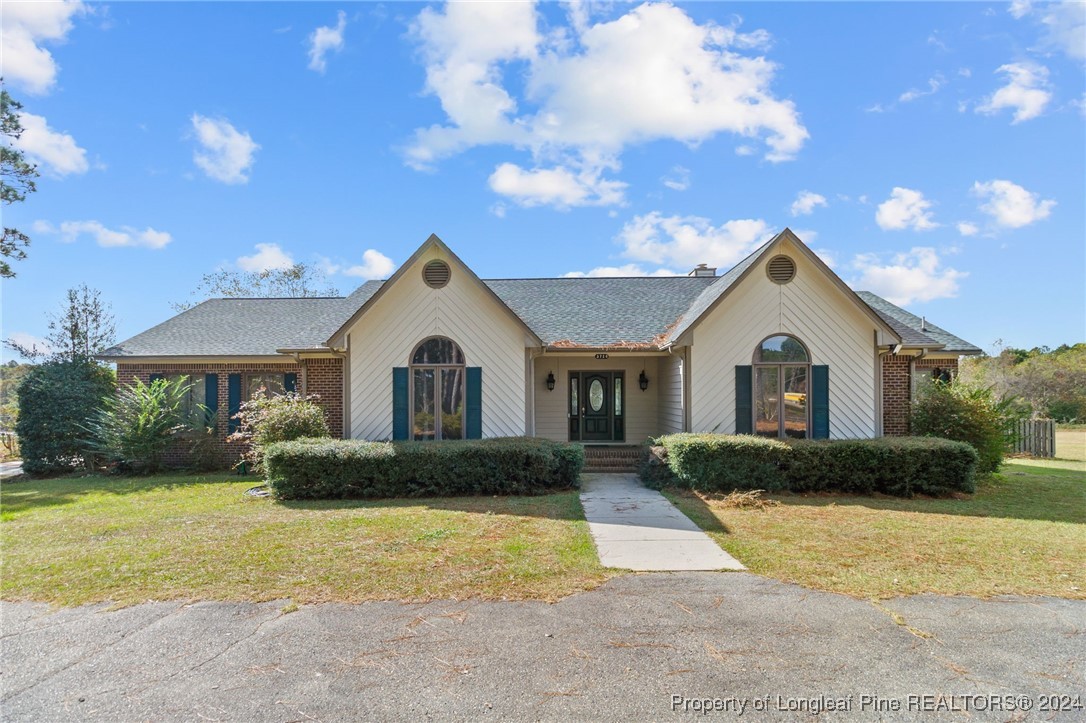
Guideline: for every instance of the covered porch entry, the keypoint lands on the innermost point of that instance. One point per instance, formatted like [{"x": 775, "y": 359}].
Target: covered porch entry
[{"x": 607, "y": 398}]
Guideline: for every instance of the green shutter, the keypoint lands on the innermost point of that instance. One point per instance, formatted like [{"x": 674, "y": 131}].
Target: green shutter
[
  {"x": 154, "y": 378},
  {"x": 233, "y": 400},
  {"x": 820, "y": 402},
  {"x": 744, "y": 408},
  {"x": 211, "y": 396},
  {"x": 290, "y": 382},
  {"x": 399, "y": 403},
  {"x": 474, "y": 382}
]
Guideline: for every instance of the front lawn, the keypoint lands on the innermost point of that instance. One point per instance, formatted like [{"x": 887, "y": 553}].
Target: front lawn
[
  {"x": 127, "y": 540},
  {"x": 1023, "y": 532}
]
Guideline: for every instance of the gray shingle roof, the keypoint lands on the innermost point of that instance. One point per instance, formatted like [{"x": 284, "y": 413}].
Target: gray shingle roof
[
  {"x": 591, "y": 312},
  {"x": 237, "y": 327},
  {"x": 600, "y": 311},
  {"x": 713, "y": 292},
  {"x": 913, "y": 330}
]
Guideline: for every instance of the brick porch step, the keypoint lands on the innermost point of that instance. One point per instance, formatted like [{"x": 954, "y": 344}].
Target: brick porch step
[{"x": 623, "y": 458}]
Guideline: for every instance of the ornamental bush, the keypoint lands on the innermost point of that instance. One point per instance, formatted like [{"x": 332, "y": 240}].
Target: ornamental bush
[
  {"x": 55, "y": 400},
  {"x": 900, "y": 466},
  {"x": 337, "y": 468},
  {"x": 968, "y": 414},
  {"x": 267, "y": 419},
  {"x": 136, "y": 426}
]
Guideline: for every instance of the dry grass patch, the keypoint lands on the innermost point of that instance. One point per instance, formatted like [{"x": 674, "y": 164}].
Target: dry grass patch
[
  {"x": 75, "y": 541},
  {"x": 1023, "y": 532}
]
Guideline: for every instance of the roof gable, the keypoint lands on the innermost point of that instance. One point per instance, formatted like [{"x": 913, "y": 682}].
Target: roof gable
[
  {"x": 336, "y": 339},
  {"x": 715, "y": 294}
]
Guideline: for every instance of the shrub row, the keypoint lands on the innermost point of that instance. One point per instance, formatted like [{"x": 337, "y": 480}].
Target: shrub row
[
  {"x": 337, "y": 468},
  {"x": 900, "y": 466}
]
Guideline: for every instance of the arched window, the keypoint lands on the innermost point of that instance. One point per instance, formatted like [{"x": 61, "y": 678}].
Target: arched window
[
  {"x": 782, "y": 377},
  {"x": 437, "y": 390}
]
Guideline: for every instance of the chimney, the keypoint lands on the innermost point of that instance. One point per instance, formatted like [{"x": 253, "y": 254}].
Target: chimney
[
  {"x": 703, "y": 270},
  {"x": 923, "y": 323}
]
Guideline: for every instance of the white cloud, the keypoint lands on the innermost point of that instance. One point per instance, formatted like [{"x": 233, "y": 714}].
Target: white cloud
[
  {"x": 227, "y": 153},
  {"x": 559, "y": 186},
  {"x": 1066, "y": 28},
  {"x": 934, "y": 84},
  {"x": 1020, "y": 8},
  {"x": 26, "y": 26},
  {"x": 906, "y": 208},
  {"x": 324, "y": 40},
  {"x": 685, "y": 241},
  {"x": 375, "y": 265},
  {"x": 625, "y": 270},
  {"x": 70, "y": 231},
  {"x": 591, "y": 90},
  {"x": 965, "y": 228},
  {"x": 913, "y": 276},
  {"x": 1010, "y": 205},
  {"x": 266, "y": 258},
  {"x": 806, "y": 202},
  {"x": 679, "y": 180},
  {"x": 57, "y": 151},
  {"x": 1026, "y": 92},
  {"x": 26, "y": 341}
]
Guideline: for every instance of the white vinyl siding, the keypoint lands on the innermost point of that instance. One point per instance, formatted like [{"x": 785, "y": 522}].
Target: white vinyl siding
[
  {"x": 811, "y": 308},
  {"x": 409, "y": 312},
  {"x": 639, "y": 408},
  {"x": 670, "y": 405}
]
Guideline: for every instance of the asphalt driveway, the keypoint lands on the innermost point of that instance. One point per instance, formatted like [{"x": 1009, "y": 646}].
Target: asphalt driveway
[{"x": 640, "y": 647}]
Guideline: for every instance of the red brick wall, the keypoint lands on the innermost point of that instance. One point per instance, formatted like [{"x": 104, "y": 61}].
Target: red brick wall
[
  {"x": 896, "y": 380},
  {"x": 323, "y": 377},
  {"x": 897, "y": 389}
]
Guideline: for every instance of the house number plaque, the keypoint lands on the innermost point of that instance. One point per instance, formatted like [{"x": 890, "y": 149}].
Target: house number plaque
[{"x": 603, "y": 356}]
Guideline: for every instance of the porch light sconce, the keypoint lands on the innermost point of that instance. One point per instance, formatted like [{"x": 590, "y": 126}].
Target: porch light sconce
[
  {"x": 643, "y": 381},
  {"x": 550, "y": 381}
]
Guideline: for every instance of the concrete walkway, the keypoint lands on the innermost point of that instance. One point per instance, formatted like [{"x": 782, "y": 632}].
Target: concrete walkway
[{"x": 636, "y": 528}]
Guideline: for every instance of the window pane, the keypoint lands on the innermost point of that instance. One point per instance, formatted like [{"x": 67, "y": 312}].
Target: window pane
[
  {"x": 595, "y": 395},
  {"x": 423, "y": 383},
  {"x": 452, "y": 403},
  {"x": 782, "y": 349},
  {"x": 195, "y": 397},
  {"x": 766, "y": 422},
  {"x": 273, "y": 384},
  {"x": 795, "y": 401},
  {"x": 438, "y": 351},
  {"x": 573, "y": 383},
  {"x": 618, "y": 396}
]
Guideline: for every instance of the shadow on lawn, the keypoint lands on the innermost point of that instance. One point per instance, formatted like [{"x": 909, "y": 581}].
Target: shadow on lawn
[
  {"x": 561, "y": 505},
  {"x": 24, "y": 493},
  {"x": 1011, "y": 494},
  {"x": 28, "y": 494}
]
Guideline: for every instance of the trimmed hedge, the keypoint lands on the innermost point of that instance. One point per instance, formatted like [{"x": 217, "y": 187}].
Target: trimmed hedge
[
  {"x": 338, "y": 468},
  {"x": 900, "y": 466}
]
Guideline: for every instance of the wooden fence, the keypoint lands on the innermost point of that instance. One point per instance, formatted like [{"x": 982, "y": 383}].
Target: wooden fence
[{"x": 1036, "y": 437}]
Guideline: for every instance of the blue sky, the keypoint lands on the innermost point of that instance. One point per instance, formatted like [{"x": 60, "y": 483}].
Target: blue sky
[{"x": 934, "y": 153}]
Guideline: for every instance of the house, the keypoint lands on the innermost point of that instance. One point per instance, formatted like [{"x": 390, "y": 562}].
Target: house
[{"x": 777, "y": 346}]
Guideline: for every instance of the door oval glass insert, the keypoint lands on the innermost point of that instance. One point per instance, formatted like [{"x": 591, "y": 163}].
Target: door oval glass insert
[{"x": 595, "y": 395}]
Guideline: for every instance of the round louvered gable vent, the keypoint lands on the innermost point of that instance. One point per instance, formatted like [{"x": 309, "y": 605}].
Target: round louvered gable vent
[
  {"x": 781, "y": 269},
  {"x": 436, "y": 274}
]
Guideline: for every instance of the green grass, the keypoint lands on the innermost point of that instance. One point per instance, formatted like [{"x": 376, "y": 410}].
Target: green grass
[
  {"x": 1071, "y": 442},
  {"x": 1023, "y": 532},
  {"x": 128, "y": 540}
]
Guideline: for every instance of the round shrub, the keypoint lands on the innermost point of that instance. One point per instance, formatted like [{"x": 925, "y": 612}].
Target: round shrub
[
  {"x": 967, "y": 414},
  {"x": 266, "y": 420},
  {"x": 55, "y": 400}
]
